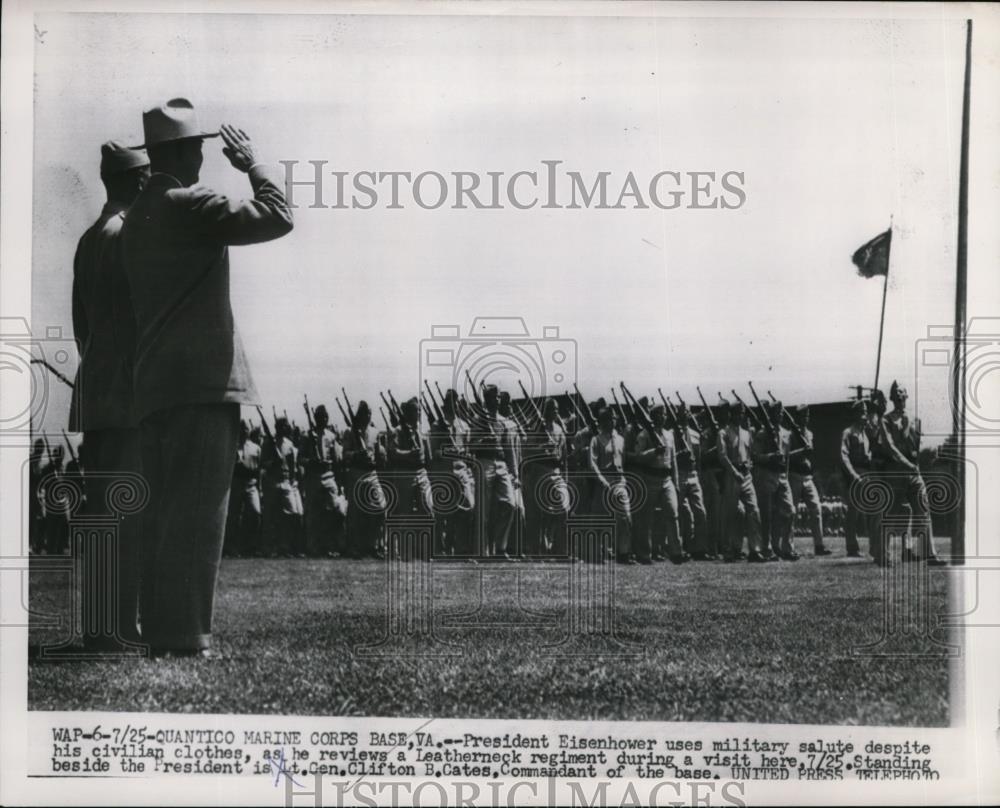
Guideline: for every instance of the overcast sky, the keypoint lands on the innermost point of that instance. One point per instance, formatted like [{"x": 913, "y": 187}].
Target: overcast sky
[{"x": 836, "y": 125}]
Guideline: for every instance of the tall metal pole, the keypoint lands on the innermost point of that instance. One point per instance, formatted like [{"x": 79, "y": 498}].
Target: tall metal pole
[
  {"x": 961, "y": 292},
  {"x": 881, "y": 325}
]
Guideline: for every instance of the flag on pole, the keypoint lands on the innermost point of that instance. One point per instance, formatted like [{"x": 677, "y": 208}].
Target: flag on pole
[{"x": 872, "y": 258}]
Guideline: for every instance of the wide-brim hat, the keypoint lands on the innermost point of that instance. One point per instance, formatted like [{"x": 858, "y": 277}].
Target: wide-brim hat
[{"x": 174, "y": 120}]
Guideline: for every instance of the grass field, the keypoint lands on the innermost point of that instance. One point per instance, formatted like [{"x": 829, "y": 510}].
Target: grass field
[{"x": 705, "y": 641}]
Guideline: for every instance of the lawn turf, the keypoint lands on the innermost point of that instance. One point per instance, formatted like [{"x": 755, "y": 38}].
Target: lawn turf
[{"x": 708, "y": 641}]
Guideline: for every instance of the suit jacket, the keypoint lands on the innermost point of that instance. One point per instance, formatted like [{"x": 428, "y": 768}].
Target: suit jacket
[
  {"x": 104, "y": 328},
  {"x": 175, "y": 245}
]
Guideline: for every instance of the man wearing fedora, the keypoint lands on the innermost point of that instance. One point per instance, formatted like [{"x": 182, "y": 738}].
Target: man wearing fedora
[
  {"x": 191, "y": 374},
  {"x": 101, "y": 407}
]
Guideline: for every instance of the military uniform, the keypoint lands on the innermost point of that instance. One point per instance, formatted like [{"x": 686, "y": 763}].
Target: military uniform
[
  {"x": 803, "y": 486},
  {"x": 449, "y": 446},
  {"x": 856, "y": 462},
  {"x": 712, "y": 476},
  {"x": 493, "y": 445},
  {"x": 325, "y": 504},
  {"x": 903, "y": 434},
  {"x": 409, "y": 453},
  {"x": 774, "y": 493},
  {"x": 548, "y": 492},
  {"x": 656, "y": 529},
  {"x": 243, "y": 525},
  {"x": 739, "y": 498},
  {"x": 283, "y": 509},
  {"x": 693, "y": 515},
  {"x": 607, "y": 455},
  {"x": 363, "y": 455}
]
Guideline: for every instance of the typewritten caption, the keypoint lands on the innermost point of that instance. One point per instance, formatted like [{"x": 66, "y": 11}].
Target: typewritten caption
[{"x": 90, "y": 748}]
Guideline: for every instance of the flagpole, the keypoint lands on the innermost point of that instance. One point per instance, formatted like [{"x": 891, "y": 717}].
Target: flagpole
[
  {"x": 961, "y": 294},
  {"x": 881, "y": 322}
]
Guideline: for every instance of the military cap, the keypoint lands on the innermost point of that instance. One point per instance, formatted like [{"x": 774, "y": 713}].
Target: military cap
[{"x": 117, "y": 159}]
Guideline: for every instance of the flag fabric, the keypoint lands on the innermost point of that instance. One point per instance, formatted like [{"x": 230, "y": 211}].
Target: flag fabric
[{"x": 872, "y": 258}]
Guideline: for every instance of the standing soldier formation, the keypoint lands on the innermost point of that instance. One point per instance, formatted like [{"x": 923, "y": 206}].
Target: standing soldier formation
[{"x": 163, "y": 374}]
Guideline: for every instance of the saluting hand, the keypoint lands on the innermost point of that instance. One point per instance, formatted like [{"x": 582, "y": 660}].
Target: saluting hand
[{"x": 238, "y": 149}]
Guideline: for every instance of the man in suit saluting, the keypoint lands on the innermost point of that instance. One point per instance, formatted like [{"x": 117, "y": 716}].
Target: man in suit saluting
[{"x": 191, "y": 374}]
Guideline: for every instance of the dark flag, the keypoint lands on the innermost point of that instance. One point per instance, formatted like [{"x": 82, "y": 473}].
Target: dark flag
[{"x": 872, "y": 258}]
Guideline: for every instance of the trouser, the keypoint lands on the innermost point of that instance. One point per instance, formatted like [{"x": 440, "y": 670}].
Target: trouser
[
  {"x": 804, "y": 489},
  {"x": 777, "y": 510},
  {"x": 243, "y": 522},
  {"x": 454, "y": 520},
  {"x": 741, "y": 515},
  {"x": 711, "y": 487},
  {"x": 283, "y": 517},
  {"x": 112, "y": 452},
  {"x": 187, "y": 458},
  {"x": 415, "y": 497},
  {"x": 855, "y": 519},
  {"x": 909, "y": 488},
  {"x": 693, "y": 517},
  {"x": 657, "y": 530},
  {"x": 366, "y": 514},
  {"x": 325, "y": 510},
  {"x": 549, "y": 496},
  {"x": 615, "y": 500},
  {"x": 499, "y": 506},
  {"x": 250, "y": 518}
]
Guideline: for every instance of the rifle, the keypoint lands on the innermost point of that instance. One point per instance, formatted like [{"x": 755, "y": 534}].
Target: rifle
[
  {"x": 708, "y": 410},
  {"x": 72, "y": 454},
  {"x": 642, "y": 417},
  {"x": 440, "y": 416},
  {"x": 588, "y": 416},
  {"x": 618, "y": 406},
  {"x": 792, "y": 423},
  {"x": 752, "y": 415},
  {"x": 274, "y": 414},
  {"x": 768, "y": 424},
  {"x": 581, "y": 419},
  {"x": 317, "y": 445},
  {"x": 309, "y": 415},
  {"x": 392, "y": 413},
  {"x": 427, "y": 410},
  {"x": 475, "y": 392},
  {"x": 531, "y": 402},
  {"x": 441, "y": 394},
  {"x": 350, "y": 409},
  {"x": 52, "y": 460},
  {"x": 691, "y": 416},
  {"x": 348, "y": 420},
  {"x": 395, "y": 405},
  {"x": 438, "y": 412},
  {"x": 384, "y": 419},
  {"x": 270, "y": 435},
  {"x": 628, "y": 409},
  {"x": 463, "y": 407},
  {"x": 678, "y": 426}
]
